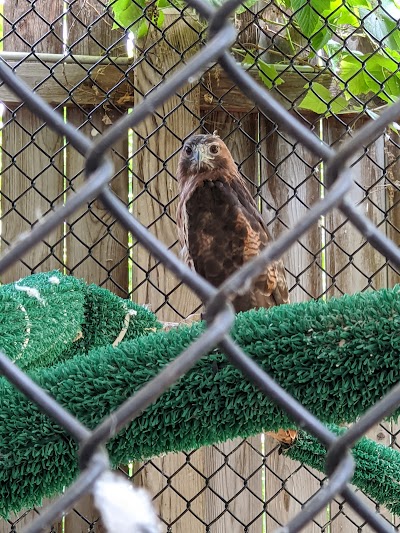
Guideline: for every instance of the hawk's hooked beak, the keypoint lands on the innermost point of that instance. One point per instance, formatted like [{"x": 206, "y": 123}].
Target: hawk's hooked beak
[
  {"x": 197, "y": 157},
  {"x": 200, "y": 156}
]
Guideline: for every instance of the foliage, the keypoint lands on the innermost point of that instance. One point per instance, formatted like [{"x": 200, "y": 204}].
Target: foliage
[
  {"x": 331, "y": 29},
  {"x": 136, "y": 15}
]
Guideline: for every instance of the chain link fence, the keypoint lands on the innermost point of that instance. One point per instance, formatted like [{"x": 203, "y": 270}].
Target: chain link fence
[{"x": 302, "y": 96}]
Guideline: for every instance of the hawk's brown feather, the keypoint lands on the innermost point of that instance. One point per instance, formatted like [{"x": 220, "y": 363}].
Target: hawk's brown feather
[{"x": 219, "y": 225}]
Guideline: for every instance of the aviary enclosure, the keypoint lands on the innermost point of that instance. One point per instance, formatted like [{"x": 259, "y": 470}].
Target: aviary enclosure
[{"x": 333, "y": 65}]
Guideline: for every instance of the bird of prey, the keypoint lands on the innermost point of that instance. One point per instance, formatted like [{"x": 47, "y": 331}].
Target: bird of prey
[{"x": 219, "y": 225}]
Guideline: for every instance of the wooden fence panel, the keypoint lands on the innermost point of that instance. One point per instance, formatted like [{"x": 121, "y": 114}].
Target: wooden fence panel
[
  {"x": 16, "y": 522},
  {"x": 96, "y": 244},
  {"x": 392, "y": 190},
  {"x": 354, "y": 266},
  {"x": 32, "y": 169},
  {"x": 157, "y": 142},
  {"x": 290, "y": 184},
  {"x": 32, "y": 165}
]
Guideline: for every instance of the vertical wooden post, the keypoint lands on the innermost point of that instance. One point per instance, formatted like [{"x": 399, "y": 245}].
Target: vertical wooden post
[
  {"x": 352, "y": 265},
  {"x": 157, "y": 142},
  {"x": 32, "y": 164},
  {"x": 392, "y": 186},
  {"x": 97, "y": 245},
  {"x": 290, "y": 185}
]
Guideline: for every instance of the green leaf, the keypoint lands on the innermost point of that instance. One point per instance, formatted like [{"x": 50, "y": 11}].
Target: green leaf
[
  {"x": 359, "y": 3},
  {"x": 320, "y": 100},
  {"x": 323, "y": 5},
  {"x": 352, "y": 74},
  {"x": 160, "y": 19},
  {"x": 393, "y": 54},
  {"x": 248, "y": 4},
  {"x": 345, "y": 16},
  {"x": 371, "y": 73},
  {"x": 248, "y": 61},
  {"x": 126, "y": 12},
  {"x": 391, "y": 8},
  {"x": 320, "y": 39},
  {"x": 142, "y": 30},
  {"x": 163, "y": 3},
  {"x": 332, "y": 50},
  {"x": 381, "y": 27},
  {"x": 268, "y": 74},
  {"x": 306, "y": 17}
]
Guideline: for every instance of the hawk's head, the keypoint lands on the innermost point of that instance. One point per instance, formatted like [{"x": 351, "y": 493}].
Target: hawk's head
[{"x": 204, "y": 153}]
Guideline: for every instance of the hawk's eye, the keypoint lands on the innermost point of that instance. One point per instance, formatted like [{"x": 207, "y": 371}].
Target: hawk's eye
[
  {"x": 214, "y": 149},
  {"x": 188, "y": 150}
]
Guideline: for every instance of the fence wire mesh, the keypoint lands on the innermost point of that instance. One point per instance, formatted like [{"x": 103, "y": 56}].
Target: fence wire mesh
[{"x": 300, "y": 92}]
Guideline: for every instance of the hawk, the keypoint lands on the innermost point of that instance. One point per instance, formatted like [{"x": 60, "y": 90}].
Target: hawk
[
  {"x": 219, "y": 225},
  {"x": 220, "y": 228}
]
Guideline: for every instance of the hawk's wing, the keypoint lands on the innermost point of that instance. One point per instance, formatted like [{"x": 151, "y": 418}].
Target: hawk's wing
[{"x": 224, "y": 229}]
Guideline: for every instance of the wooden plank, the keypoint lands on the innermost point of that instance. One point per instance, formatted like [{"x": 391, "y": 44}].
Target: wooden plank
[
  {"x": 290, "y": 177},
  {"x": 97, "y": 245},
  {"x": 392, "y": 190},
  {"x": 234, "y": 496},
  {"x": 352, "y": 265},
  {"x": 157, "y": 142},
  {"x": 32, "y": 184},
  {"x": 220, "y": 90},
  {"x": 17, "y": 522},
  {"x": 289, "y": 186},
  {"x": 32, "y": 168},
  {"x": 53, "y": 82},
  {"x": 176, "y": 482},
  {"x": 83, "y": 517},
  {"x": 32, "y": 165}
]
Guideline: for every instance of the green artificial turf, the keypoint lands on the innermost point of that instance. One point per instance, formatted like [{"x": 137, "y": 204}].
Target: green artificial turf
[
  {"x": 337, "y": 357},
  {"x": 40, "y": 316}
]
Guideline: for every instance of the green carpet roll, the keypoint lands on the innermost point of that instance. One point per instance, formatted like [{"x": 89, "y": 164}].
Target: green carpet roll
[
  {"x": 104, "y": 321},
  {"x": 378, "y": 467},
  {"x": 331, "y": 356},
  {"x": 40, "y": 317}
]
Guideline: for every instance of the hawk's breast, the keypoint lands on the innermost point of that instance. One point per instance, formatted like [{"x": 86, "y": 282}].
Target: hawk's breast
[{"x": 217, "y": 231}]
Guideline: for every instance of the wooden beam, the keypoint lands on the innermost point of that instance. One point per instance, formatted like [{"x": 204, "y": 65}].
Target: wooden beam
[
  {"x": 73, "y": 84},
  {"x": 219, "y": 90}
]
